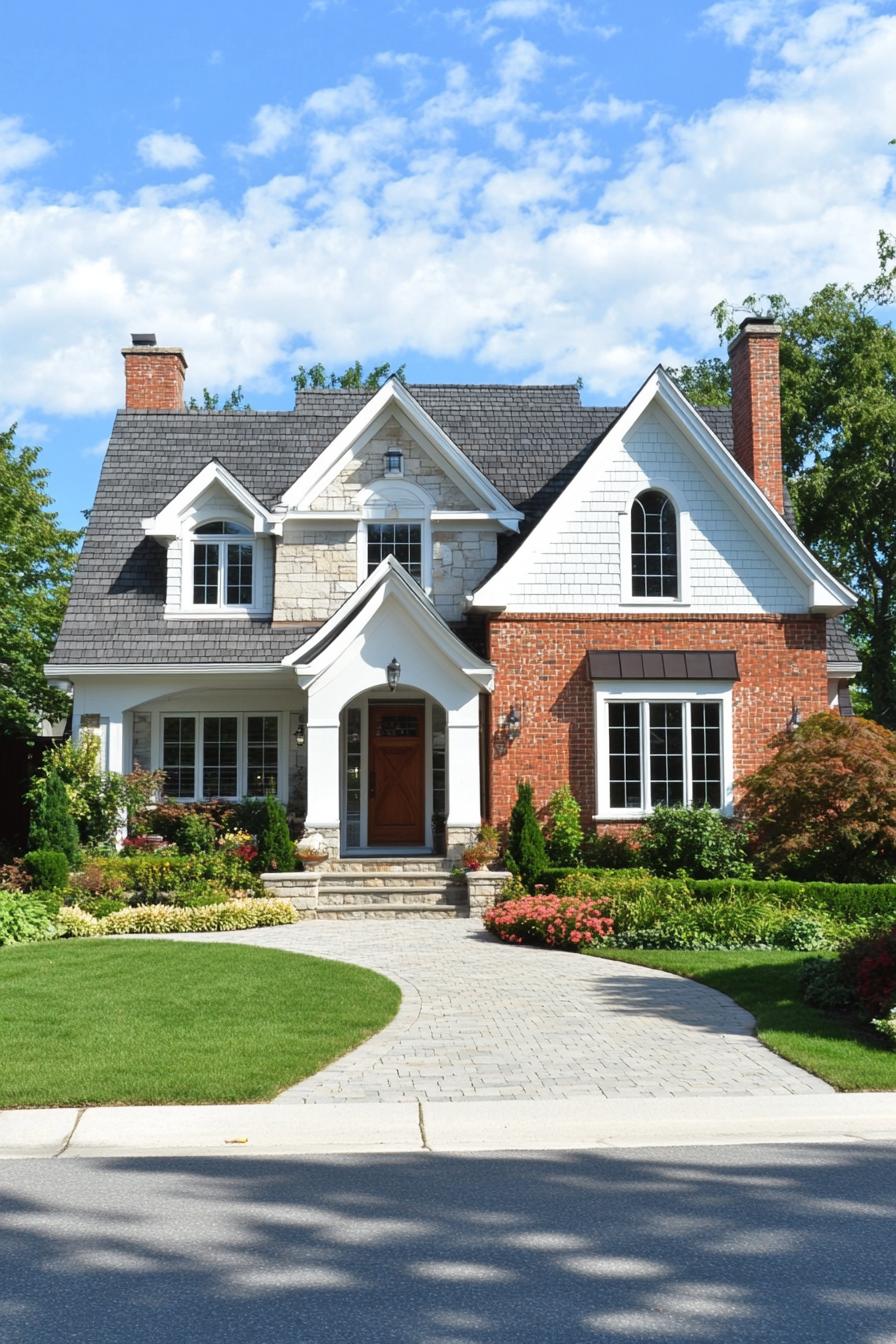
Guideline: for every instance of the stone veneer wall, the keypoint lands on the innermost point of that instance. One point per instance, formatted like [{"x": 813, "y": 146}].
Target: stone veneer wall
[
  {"x": 316, "y": 570},
  {"x": 460, "y": 562},
  {"x": 342, "y": 492}
]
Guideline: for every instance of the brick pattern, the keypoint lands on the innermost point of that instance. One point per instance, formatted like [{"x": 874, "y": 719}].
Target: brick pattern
[
  {"x": 540, "y": 666},
  {"x": 756, "y": 408},
  {"x": 154, "y": 378}
]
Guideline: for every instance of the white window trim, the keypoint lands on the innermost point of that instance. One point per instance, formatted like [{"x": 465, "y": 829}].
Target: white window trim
[
  {"x": 682, "y": 538},
  {"x": 220, "y": 609},
  {"x": 415, "y": 507},
  {"x": 609, "y": 692},
  {"x": 242, "y": 754}
]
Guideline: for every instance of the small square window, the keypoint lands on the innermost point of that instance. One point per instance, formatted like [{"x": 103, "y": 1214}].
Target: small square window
[{"x": 394, "y": 462}]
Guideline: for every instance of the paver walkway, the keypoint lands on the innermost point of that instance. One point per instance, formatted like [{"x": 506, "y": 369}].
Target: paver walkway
[{"x": 481, "y": 1019}]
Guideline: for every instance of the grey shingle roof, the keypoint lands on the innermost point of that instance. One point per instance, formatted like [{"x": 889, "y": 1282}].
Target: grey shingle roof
[
  {"x": 529, "y": 441},
  {"x": 841, "y": 649}
]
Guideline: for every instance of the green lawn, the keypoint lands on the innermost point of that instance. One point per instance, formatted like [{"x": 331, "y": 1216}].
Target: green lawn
[
  {"x": 87, "y": 1023},
  {"x": 844, "y": 1053}
]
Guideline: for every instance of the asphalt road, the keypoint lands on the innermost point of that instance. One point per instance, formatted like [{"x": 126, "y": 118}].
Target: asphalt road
[{"x": 789, "y": 1243}]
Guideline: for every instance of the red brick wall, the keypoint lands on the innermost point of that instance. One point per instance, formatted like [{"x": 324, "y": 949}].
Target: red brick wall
[
  {"x": 756, "y": 408},
  {"x": 154, "y": 379},
  {"x": 540, "y": 667}
]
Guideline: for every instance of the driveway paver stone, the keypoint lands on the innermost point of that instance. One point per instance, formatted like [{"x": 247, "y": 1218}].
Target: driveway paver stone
[{"x": 482, "y": 1019}]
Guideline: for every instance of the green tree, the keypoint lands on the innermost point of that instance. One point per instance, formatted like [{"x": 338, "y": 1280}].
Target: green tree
[
  {"x": 52, "y": 825},
  {"x": 706, "y": 383},
  {"x": 565, "y": 836},
  {"x": 838, "y": 424},
  {"x": 276, "y": 852},
  {"x": 526, "y": 848},
  {"x": 353, "y": 378},
  {"x": 37, "y": 560},
  {"x": 211, "y": 401}
]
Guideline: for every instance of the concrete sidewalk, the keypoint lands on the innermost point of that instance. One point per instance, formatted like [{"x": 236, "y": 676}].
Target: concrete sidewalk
[{"x": 446, "y": 1127}]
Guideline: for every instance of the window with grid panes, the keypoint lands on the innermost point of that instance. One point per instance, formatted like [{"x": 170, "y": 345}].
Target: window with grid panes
[
  {"x": 664, "y": 753},
  {"x": 222, "y": 567},
  {"x": 262, "y": 732},
  {"x": 654, "y": 546},
  {"x": 403, "y": 540}
]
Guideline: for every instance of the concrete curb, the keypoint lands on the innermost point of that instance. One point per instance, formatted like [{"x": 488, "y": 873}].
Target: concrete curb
[{"x": 446, "y": 1127}]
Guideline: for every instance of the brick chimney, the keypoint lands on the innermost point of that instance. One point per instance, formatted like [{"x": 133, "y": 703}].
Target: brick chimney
[
  {"x": 153, "y": 375},
  {"x": 756, "y": 404}
]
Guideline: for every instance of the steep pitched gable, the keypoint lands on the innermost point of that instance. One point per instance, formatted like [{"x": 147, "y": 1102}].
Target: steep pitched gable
[{"x": 572, "y": 559}]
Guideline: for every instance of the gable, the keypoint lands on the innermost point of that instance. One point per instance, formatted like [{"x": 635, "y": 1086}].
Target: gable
[
  {"x": 737, "y": 553},
  {"x": 355, "y": 458}
]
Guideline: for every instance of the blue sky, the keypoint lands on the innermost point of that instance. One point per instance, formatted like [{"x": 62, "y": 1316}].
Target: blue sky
[{"x": 517, "y": 190}]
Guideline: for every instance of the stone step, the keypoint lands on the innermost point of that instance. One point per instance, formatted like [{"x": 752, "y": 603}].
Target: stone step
[
  {"x": 413, "y": 863},
  {"x": 390, "y": 896},
  {"x": 389, "y": 912},
  {"x": 390, "y": 882}
]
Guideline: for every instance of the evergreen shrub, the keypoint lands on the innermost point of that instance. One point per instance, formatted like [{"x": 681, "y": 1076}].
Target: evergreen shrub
[
  {"x": 526, "y": 850},
  {"x": 47, "y": 868},
  {"x": 52, "y": 824}
]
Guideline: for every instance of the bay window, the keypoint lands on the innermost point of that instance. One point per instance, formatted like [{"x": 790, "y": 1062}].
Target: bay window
[{"x": 220, "y": 755}]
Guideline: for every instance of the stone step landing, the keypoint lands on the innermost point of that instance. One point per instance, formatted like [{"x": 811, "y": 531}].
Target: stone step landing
[{"x": 385, "y": 889}]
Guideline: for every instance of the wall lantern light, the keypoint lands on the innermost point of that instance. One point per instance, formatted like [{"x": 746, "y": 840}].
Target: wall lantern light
[
  {"x": 795, "y": 719},
  {"x": 393, "y": 674},
  {"x": 299, "y": 734},
  {"x": 513, "y": 724}
]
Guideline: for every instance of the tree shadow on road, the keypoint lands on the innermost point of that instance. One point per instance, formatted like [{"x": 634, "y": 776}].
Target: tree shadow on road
[{"x": 774, "y": 1244}]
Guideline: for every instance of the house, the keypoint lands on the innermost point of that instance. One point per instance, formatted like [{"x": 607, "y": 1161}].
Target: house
[{"x": 388, "y": 607}]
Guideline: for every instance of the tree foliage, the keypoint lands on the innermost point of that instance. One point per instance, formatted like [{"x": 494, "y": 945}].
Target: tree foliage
[
  {"x": 706, "y": 383},
  {"x": 824, "y": 806},
  {"x": 37, "y": 560},
  {"x": 276, "y": 852},
  {"x": 98, "y": 800},
  {"x": 838, "y": 423},
  {"x": 692, "y": 840},
  {"x": 527, "y": 855},
  {"x": 52, "y": 824},
  {"x": 564, "y": 831},
  {"x": 353, "y": 378},
  {"x": 211, "y": 401}
]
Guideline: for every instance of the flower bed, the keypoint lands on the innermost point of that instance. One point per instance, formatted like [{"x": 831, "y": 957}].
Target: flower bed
[
  {"x": 550, "y": 921},
  {"x": 255, "y": 913}
]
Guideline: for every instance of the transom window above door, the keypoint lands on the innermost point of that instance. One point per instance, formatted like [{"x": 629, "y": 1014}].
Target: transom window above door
[
  {"x": 223, "y": 565},
  {"x": 403, "y": 540}
]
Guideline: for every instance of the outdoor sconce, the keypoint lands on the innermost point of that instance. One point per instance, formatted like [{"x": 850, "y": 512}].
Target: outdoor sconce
[
  {"x": 393, "y": 674},
  {"x": 513, "y": 724},
  {"x": 795, "y": 719},
  {"x": 299, "y": 735}
]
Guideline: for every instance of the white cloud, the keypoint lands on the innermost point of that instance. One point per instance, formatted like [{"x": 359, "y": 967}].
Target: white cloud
[
  {"x": 420, "y": 234},
  {"x": 274, "y": 126},
  {"x": 344, "y": 100},
  {"x": 162, "y": 149},
  {"x": 97, "y": 449},
  {"x": 19, "y": 148},
  {"x": 611, "y": 110}
]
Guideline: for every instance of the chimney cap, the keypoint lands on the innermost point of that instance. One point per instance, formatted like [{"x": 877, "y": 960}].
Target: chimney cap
[
  {"x": 143, "y": 338},
  {"x": 754, "y": 320}
]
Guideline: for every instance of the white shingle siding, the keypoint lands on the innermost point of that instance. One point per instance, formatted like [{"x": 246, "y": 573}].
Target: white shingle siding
[{"x": 730, "y": 569}]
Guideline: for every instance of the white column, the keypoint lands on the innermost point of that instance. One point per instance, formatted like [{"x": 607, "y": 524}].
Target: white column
[
  {"x": 323, "y": 773},
  {"x": 463, "y": 773}
]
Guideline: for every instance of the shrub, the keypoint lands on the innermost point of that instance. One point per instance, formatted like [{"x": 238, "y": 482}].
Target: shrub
[
  {"x": 824, "y": 806},
  {"x": 822, "y": 984},
  {"x": 550, "y": 921},
  {"x": 696, "y": 841},
  {"x": 164, "y": 874},
  {"x": 166, "y": 818},
  {"x": 52, "y": 824},
  {"x": 606, "y": 850},
  {"x": 564, "y": 837},
  {"x": 276, "y": 853},
  {"x": 887, "y": 1025},
  {"x": 75, "y": 922},
  {"x": 245, "y": 914},
  {"x": 98, "y": 906},
  {"x": 195, "y": 834},
  {"x": 97, "y": 799},
  {"x": 804, "y": 933},
  {"x": 100, "y": 878},
  {"x": 48, "y": 868},
  {"x": 868, "y": 967},
  {"x": 526, "y": 849},
  {"x": 24, "y": 918},
  {"x": 846, "y": 902},
  {"x": 13, "y": 876}
]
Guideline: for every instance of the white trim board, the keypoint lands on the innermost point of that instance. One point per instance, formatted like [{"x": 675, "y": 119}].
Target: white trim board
[
  {"x": 173, "y": 520},
  {"x": 824, "y": 593}
]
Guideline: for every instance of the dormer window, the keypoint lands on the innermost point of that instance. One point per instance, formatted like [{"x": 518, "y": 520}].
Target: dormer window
[
  {"x": 393, "y": 462},
  {"x": 223, "y": 565}
]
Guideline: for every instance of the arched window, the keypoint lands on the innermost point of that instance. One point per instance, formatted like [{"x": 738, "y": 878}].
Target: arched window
[
  {"x": 223, "y": 565},
  {"x": 654, "y": 546}
]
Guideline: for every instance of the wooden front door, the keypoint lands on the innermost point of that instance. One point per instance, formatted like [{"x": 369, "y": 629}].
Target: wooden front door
[{"x": 395, "y": 781}]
